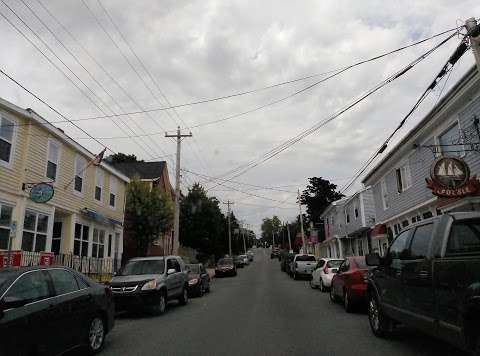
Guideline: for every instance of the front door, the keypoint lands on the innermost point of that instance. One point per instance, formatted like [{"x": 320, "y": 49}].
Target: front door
[{"x": 57, "y": 237}]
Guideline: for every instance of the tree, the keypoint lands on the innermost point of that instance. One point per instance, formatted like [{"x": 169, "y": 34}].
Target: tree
[
  {"x": 148, "y": 214},
  {"x": 202, "y": 224},
  {"x": 122, "y": 158},
  {"x": 269, "y": 227},
  {"x": 318, "y": 195}
]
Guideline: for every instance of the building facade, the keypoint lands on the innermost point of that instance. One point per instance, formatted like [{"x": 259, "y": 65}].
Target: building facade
[
  {"x": 402, "y": 195},
  {"x": 84, "y": 218}
]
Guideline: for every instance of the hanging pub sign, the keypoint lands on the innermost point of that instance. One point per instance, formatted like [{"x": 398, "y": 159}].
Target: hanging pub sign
[
  {"x": 450, "y": 177},
  {"x": 41, "y": 192}
]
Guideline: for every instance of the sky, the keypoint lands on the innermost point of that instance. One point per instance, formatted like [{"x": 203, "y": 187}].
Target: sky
[{"x": 127, "y": 56}]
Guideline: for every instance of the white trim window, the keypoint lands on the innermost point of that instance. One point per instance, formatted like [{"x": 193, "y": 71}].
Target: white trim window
[
  {"x": 451, "y": 142},
  {"x": 98, "y": 191},
  {"x": 112, "y": 197},
  {"x": 53, "y": 158},
  {"x": 80, "y": 164},
  {"x": 98, "y": 243},
  {"x": 35, "y": 227},
  {"x": 80, "y": 240},
  {"x": 6, "y": 213},
  {"x": 384, "y": 191},
  {"x": 360, "y": 247},
  {"x": 355, "y": 211},
  {"x": 404, "y": 178},
  {"x": 7, "y": 134}
]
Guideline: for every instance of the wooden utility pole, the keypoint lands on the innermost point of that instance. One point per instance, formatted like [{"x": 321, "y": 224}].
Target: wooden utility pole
[
  {"x": 289, "y": 240},
  {"x": 176, "y": 219},
  {"x": 229, "y": 228},
  {"x": 304, "y": 247},
  {"x": 474, "y": 37}
]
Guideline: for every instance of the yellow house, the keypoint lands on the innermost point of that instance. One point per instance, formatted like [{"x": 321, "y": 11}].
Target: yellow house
[{"x": 85, "y": 215}]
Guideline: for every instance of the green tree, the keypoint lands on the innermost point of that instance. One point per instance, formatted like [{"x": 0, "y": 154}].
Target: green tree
[
  {"x": 122, "y": 158},
  {"x": 318, "y": 195},
  {"x": 269, "y": 227},
  {"x": 148, "y": 214}
]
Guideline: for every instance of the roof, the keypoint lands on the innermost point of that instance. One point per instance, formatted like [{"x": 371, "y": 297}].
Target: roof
[
  {"x": 468, "y": 76},
  {"x": 144, "y": 170},
  {"x": 339, "y": 202},
  {"x": 30, "y": 114}
]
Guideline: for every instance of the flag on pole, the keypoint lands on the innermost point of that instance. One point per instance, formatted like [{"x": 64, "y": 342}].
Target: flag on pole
[{"x": 98, "y": 158}]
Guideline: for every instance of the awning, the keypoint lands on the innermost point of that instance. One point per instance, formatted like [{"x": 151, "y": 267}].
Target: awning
[
  {"x": 99, "y": 217},
  {"x": 379, "y": 231}
]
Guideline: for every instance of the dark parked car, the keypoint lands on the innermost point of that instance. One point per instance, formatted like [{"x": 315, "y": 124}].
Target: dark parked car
[
  {"x": 275, "y": 253},
  {"x": 198, "y": 279},
  {"x": 349, "y": 284},
  {"x": 239, "y": 261},
  {"x": 285, "y": 259},
  {"x": 289, "y": 264},
  {"x": 429, "y": 280},
  {"x": 150, "y": 282},
  {"x": 55, "y": 309},
  {"x": 225, "y": 267}
]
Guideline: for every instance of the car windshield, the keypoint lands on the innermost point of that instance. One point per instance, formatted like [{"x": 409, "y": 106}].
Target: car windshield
[
  {"x": 243, "y": 256},
  {"x": 225, "y": 262},
  {"x": 140, "y": 267},
  {"x": 194, "y": 268},
  {"x": 305, "y": 258},
  {"x": 334, "y": 263}
]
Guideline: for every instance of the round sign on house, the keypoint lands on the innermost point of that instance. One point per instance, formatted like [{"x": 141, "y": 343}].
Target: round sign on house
[{"x": 41, "y": 192}]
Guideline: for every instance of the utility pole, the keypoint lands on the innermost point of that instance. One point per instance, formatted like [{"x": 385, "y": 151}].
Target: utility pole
[
  {"x": 273, "y": 239},
  {"x": 474, "y": 35},
  {"x": 289, "y": 240},
  {"x": 244, "y": 244},
  {"x": 176, "y": 218},
  {"x": 229, "y": 229},
  {"x": 304, "y": 247}
]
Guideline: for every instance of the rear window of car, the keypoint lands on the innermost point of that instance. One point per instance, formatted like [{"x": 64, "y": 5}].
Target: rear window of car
[
  {"x": 334, "y": 263},
  {"x": 140, "y": 267},
  {"x": 225, "y": 262},
  {"x": 305, "y": 258}
]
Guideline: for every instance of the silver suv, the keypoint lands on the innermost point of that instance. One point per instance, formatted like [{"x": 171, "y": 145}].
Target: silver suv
[{"x": 149, "y": 282}]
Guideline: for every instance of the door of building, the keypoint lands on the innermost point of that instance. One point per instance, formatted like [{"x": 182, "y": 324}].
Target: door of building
[{"x": 56, "y": 237}]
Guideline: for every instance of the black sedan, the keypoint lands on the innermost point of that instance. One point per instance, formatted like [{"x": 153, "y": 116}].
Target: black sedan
[
  {"x": 56, "y": 308},
  {"x": 225, "y": 267},
  {"x": 198, "y": 280}
]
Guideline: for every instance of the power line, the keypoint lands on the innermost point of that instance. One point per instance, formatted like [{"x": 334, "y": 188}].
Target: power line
[
  {"x": 282, "y": 147},
  {"x": 447, "y": 68}
]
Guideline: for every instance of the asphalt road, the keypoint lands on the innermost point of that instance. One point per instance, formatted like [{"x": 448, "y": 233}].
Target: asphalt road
[{"x": 262, "y": 311}]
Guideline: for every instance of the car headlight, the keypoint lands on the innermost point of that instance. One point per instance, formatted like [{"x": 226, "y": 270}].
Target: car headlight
[
  {"x": 150, "y": 285},
  {"x": 193, "y": 281}
]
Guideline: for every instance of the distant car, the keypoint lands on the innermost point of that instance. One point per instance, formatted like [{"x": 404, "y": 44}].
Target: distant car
[
  {"x": 303, "y": 265},
  {"x": 349, "y": 284},
  {"x": 245, "y": 260},
  {"x": 250, "y": 255},
  {"x": 275, "y": 253},
  {"x": 225, "y": 267},
  {"x": 239, "y": 262},
  {"x": 198, "y": 279},
  {"x": 324, "y": 272},
  {"x": 150, "y": 282},
  {"x": 56, "y": 308}
]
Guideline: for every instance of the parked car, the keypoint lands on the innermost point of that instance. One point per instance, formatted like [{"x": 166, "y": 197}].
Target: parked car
[
  {"x": 429, "y": 280},
  {"x": 198, "y": 279},
  {"x": 250, "y": 255},
  {"x": 39, "y": 302},
  {"x": 239, "y": 262},
  {"x": 324, "y": 272},
  {"x": 349, "y": 284},
  {"x": 289, "y": 264},
  {"x": 303, "y": 265},
  {"x": 150, "y": 282},
  {"x": 225, "y": 267},
  {"x": 275, "y": 253},
  {"x": 284, "y": 255},
  {"x": 245, "y": 260}
]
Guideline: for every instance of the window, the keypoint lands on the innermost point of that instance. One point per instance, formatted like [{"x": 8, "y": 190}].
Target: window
[
  {"x": 347, "y": 218},
  {"x": 35, "y": 227},
  {"x": 399, "y": 247},
  {"x": 427, "y": 215},
  {"x": 117, "y": 245},
  {"x": 52, "y": 160},
  {"x": 420, "y": 242},
  {"x": 450, "y": 142},
  {"x": 360, "y": 247},
  {"x": 80, "y": 240},
  {"x": 173, "y": 264},
  {"x": 383, "y": 185},
  {"x": 109, "y": 252},
  {"x": 464, "y": 238},
  {"x": 98, "y": 243},
  {"x": 6, "y": 139},
  {"x": 397, "y": 228},
  {"x": 56, "y": 237},
  {"x": 405, "y": 223},
  {"x": 355, "y": 209},
  {"x": 31, "y": 287},
  {"x": 5, "y": 222},
  {"x": 80, "y": 165},
  {"x": 113, "y": 191},
  {"x": 345, "y": 266},
  {"x": 320, "y": 264},
  {"x": 98, "y": 184},
  {"x": 404, "y": 179},
  {"x": 63, "y": 281}
]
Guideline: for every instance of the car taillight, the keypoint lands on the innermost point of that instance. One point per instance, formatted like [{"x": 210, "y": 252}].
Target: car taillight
[
  {"x": 325, "y": 270},
  {"x": 108, "y": 291}
]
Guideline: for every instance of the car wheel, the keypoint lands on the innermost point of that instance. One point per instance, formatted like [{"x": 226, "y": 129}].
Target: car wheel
[
  {"x": 184, "y": 297},
  {"x": 333, "y": 297},
  {"x": 161, "y": 305},
  {"x": 202, "y": 290},
  {"x": 347, "y": 302},
  {"x": 208, "y": 287},
  {"x": 96, "y": 335},
  {"x": 380, "y": 324},
  {"x": 312, "y": 285}
]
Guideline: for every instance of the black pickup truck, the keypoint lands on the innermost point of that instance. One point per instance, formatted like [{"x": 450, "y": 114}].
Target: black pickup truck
[{"x": 430, "y": 280}]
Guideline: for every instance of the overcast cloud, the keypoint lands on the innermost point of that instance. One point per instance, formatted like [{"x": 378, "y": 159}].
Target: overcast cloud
[{"x": 202, "y": 49}]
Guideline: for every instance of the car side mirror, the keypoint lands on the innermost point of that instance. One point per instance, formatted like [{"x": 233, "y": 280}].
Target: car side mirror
[
  {"x": 171, "y": 271},
  {"x": 373, "y": 259},
  {"x": 12, "y": 303}
]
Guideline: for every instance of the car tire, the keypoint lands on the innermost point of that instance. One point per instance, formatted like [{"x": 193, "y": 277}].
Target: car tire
[
  {"x": 161, "y": 305},
  {"x": 96, "y": 335},
  {"x": 347, "y": 302},
  {"x": 333, "y": 297},
  {"x": 208, "y": 287},
  {"x": 313, "y": 286},
  {"x": 183, "y": 300},
  {"x": 380, "y": 323}
]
